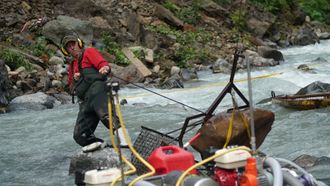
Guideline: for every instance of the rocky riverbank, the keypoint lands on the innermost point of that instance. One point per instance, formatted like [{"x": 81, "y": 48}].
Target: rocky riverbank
[{"x": 157, "y": 43}]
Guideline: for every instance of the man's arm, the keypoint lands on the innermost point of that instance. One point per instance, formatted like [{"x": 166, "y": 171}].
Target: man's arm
[{"x": 97, "y": 60}]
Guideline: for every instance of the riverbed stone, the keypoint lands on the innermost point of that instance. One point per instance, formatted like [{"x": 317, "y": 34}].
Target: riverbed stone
[
  {"x": 317, "y": 166},
  {"x": 313, "y": 88},
  {"x": 100, "y": 159},
  {"x": 37, "y": 101}
]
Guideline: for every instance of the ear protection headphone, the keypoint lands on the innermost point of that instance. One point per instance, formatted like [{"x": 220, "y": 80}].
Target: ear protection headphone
[{"x": 63, "y": 49}]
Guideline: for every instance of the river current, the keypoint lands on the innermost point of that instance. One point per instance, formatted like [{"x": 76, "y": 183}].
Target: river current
[{"x": 36, "y": 146}]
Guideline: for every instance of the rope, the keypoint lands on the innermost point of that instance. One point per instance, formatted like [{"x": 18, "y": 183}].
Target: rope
[
  {"x": 192, "y": 126},
  {"x": 208, "y": 86},
  {"x": 159, "y": 94}
]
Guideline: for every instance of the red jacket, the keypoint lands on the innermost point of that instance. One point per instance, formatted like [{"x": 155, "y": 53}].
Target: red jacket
[{"x": 91, "y": 58}]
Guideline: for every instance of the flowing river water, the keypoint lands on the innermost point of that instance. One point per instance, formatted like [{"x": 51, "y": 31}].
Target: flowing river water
[{"x": 36, "y": 146}]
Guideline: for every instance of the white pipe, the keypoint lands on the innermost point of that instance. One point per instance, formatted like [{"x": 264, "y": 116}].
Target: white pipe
[
  {"x": 253, "y": 136},
  {"x": 276, "y": 169}
]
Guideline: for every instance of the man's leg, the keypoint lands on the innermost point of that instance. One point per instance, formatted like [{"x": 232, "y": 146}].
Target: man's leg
[
  {"x": 85, "y": 126},
  {"x": 99, "y": 103}
]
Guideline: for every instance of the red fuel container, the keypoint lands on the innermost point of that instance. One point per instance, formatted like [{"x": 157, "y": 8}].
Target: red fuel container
[{"x": 166, "y": 159}]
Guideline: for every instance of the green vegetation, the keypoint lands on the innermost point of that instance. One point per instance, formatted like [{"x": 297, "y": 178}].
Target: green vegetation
[
  {"x": 316, "y": 9},
  {"x": 14, "y": 59},
  {"x": 238, "y": 18},
  {"x": 188, "y": 40},
  {"x": 222, "y": 2},
  {"x": 171, "y": 6},
  {"x": 40, "y": 47},
  {"x": 159, "y": 56},
  {"x": 274, "y": 5},
  {"x": 139, "y": 53},
  {"x": 185, "y": 54},
  {"x": 114, "y": 48},
  {"x": 182, "y": 37},
  {"x": 189, "y": 14}
]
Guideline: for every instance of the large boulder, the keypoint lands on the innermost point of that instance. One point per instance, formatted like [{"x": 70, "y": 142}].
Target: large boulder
[
  {"x": 56, "y": 29},
  {"x": 259, "y": 23},
  {"x": 213, "y": 9},
  {"x": 188, "y": 74},
  {"x": 214, "y": 131},
  {"x": 269, "y": 53},
  {"x": 100, "y": 159},
  {"x": 315, "y": 87},
  {"x": 319, "y": 167},
  {"x": 305, "y": 36},
  {"x": 37, "y": 101},
  {"x": 167, "y": 16},
  {"x": 174, "y": 81},
  {"x": 256, "y": 60},
  {"x": 221, "y": 66}
]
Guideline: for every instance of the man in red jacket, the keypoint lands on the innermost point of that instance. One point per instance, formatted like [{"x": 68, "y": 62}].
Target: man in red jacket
[{"x": 87, "y": 76}]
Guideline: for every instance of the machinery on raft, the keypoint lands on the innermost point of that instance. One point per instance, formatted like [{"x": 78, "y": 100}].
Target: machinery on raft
[{"x": 229, "y": 153}]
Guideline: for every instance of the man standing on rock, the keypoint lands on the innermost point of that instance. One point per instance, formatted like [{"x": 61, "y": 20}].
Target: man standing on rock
[{"x": 87, "y": 80}]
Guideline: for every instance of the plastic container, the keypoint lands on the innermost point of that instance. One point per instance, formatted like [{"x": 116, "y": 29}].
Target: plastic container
[
  {"x": 232, "y": 160},
  {"x": 166, "y": 159},
  {"x": 101, "y": 177}
]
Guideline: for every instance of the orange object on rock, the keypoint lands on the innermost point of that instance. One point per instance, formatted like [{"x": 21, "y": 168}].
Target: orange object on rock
[{"x": 250, "y": 177}]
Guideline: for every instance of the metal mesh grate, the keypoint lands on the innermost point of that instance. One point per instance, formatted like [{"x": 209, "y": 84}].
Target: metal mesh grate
[{"x": 147, "y": 141}]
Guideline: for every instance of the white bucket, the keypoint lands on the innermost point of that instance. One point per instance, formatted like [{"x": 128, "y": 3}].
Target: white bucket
[{"x": 101, "y": 177}]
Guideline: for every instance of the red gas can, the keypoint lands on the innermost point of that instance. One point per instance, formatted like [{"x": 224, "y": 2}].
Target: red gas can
[{"x": 166, "y": 159}]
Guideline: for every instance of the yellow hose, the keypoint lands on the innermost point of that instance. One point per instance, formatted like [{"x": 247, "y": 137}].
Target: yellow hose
[
  {"x": 112, "y": 138},
  {"x": 130, "y": 146},
  {"x": 181, "y": 178}
]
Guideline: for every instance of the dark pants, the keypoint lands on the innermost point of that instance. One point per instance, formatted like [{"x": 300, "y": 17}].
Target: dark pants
[{"x": 93, "y": 109}]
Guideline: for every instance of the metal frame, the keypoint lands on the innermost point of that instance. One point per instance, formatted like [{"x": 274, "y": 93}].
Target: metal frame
[{"x": 209, "y": 113}]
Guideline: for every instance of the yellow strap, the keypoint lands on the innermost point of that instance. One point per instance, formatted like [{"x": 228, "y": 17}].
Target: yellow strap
[
  {"x": 245, "y": 122},
  {"x": 230, "y": 129}
]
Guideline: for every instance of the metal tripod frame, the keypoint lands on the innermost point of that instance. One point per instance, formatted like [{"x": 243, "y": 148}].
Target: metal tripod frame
[{"x": 209, "y": 113}]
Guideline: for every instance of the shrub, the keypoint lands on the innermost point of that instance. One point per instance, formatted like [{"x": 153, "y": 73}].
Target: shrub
[
  {"x": 185, "y": 54},
  {"x": 189, "y": 14},
  {"x": 274, "y": 6},
  {"x": 238, "y": 19},
  {"x": 139, "y": 53},
  {"x": 222, "y": 2},
  {"x": 40, "y": 47},
  {"x": 114, "y": 48},
  {"x": 14, "y": 59},
  {"x": 188, "y": 41},
  {"x": 316, "y": 9}
]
